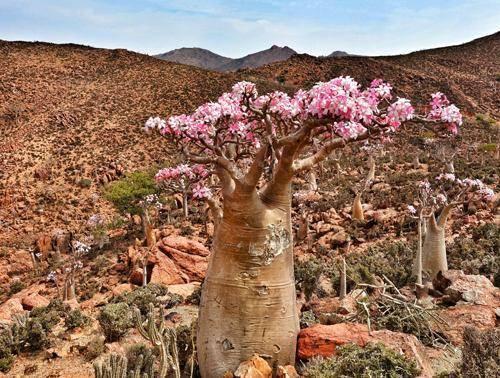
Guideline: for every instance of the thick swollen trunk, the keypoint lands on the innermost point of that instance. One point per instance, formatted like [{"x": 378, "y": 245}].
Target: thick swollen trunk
[
  {"x": 357, "y": 209},
  {"x": 312, "y": 183},
  {"x": 450, "y": 167},
  {"x": 248, "y": 297},
  {"x": 418, "y": 260},
  {"x": 371, "y": 167},
  {"x": 434, "y": 249},
  {"x": 185, "y": 208},
  {"x": 69, "y": 289}
]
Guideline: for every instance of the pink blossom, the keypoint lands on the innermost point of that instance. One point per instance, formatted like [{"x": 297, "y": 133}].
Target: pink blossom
[
  {"x": 399, "y": 111},
  {"x": 201, "y": 192}
]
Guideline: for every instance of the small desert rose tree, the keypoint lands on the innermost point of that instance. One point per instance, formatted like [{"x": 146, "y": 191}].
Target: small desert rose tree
[
  {"x": 255, "y": 145},
  {"x": 185, "y": 180},
  {"x": 446, "y": 192},
  {"x": 190, "y": 181}
]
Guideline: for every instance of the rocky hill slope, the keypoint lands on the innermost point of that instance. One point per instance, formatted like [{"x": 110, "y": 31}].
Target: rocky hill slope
[
  {"x": 71, "y": 116},
  {"x": 70, "y": 119}
]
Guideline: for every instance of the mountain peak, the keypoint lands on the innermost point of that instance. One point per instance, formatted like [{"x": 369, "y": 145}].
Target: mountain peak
[{"x": 203, "y": 58}]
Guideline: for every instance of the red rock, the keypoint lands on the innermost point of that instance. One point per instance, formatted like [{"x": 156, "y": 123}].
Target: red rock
[
  {"x": 43, "y": 245},
  {"x": 184, "y": 290},
  {"x": 325, "y": 305},
  {"x": 323, "y": 340},
  {"x": 475, "y": 289},
  {"x": 123, "y": 288},
  {"x": 185, "y": 245},
  {"x": 458, "y": 317},
  {"x": 286, "y": 372},
  {"x": 408, "y": 345},
  {"x": 31, "y": 301},
  {"x": 9, "y": 308},
  {"x": 136, "y": 277},
  {"x": 255, "y": 367},
  {"x": 166, "y": 272},
  {"x": 61, "y": 241},
  {"x": 188, "y": 255}
]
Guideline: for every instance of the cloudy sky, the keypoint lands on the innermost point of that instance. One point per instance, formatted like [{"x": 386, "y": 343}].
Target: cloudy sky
[{"x": 238, "y": 27}]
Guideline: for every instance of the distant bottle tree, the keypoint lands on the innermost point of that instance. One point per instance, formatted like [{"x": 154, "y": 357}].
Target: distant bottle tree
[{"x": 256, "y": 145}]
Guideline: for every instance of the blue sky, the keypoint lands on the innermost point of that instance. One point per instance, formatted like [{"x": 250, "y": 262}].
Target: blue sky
[{"x": 236, "y": 27}]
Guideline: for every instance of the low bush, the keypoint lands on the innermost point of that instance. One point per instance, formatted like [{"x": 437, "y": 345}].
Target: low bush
[
  {"x": 126, "y": 193},
  {"x": 141, "y": 297},
  {"x": 307, "y": 274},
  {"x": 374, "y": 360},
  {"x": 479, "y": 254},
  {"x": 76, "y": 318},
  {"x": 481, "y": 353},
  {"x": 115, "y": 320},
  {"x": 392, "y": 259}
]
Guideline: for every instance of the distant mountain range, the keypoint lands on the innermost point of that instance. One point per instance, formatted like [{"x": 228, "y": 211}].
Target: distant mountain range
[{"x": 206, "y": 59}]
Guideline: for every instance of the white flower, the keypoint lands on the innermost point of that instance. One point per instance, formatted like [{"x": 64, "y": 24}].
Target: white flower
[{"x": 412, "y": 209}]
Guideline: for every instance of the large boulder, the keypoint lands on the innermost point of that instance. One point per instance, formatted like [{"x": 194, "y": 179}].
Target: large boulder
[
  {"x": 166, "y": 272},
  {"x": 9, "y": 308},
  {"x": 190, "y": 256},
  {"x": 255, "y": 367},
  {"x": 476, "y": 289},
  {"x": 323, "y": 340},
  {"x": 456, "y": 318}
]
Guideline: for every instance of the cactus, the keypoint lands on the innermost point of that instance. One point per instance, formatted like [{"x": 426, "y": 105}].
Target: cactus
[
  {"x": 115, "y": 366},
  {"x": 144, "y": 363},
  {"x": 163, "y": 338}
]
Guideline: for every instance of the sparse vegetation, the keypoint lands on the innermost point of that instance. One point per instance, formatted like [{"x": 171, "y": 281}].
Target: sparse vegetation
[
  {"x": 141, "y": 297},
  {"x": 115, "y": 320},
  {"x": 128, "y": 191},
  {"x": 76, "y": 318},
  {"x": 374, "y": 360}
]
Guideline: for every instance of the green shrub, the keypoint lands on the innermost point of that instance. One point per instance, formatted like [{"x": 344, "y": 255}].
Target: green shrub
[
  {"x": 488, "y": 147},
  {"x": 141, "y": 297},
  {"x": 393, "y": 259},
  {"x": 6, "y": 363},
  {"x": 481, "y": 353},
  {"x": 94, "y": 348},
  {"x": 186, "y": 345},
  {"x": 85, "y": 183},
  {"x": 484, "y": 120},
  {"x": 140, "y": 358},
  {"x": 6, "y": 350},
  {"x": 15, "y": 287},
  {"x": 76, "y": 318},
  {"x": 36, "y": 335},
  {"x": 126, "y": 193},
  {"x": 479, "y": 254},
  {"x": 115, "y": 320},
  {"x": 307, "y": 319},
  {"x": 374, "y": 360},
  {"x": 307, "y": 274}
]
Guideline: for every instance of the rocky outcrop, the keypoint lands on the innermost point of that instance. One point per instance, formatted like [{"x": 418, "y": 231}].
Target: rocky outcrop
[
  {"x": 323, "y": 340},
  {"x": 189, "y": 256}
]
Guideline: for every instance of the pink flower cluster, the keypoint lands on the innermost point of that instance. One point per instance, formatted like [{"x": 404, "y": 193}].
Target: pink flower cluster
[
  {"x": 182, "y": 171},
  {"x": 238, "y": 115},
  {"x": 444, "y": 112},
  {"x": 182, "y": 177},
  {"x": 438, "y": 195}
]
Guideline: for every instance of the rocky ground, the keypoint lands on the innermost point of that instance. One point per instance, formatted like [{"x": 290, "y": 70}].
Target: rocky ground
[{"x": 70, "y": 119}]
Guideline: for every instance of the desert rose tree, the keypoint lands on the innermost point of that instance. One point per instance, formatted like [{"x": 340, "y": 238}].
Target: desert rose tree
[
  {"x": 446, "y": 192},
  {"x": 256, "y": 145}
]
